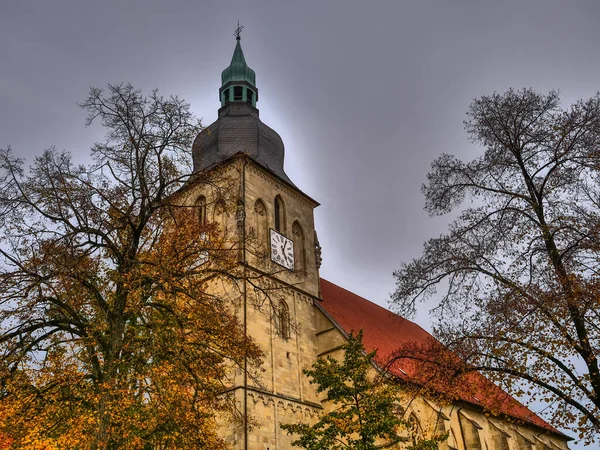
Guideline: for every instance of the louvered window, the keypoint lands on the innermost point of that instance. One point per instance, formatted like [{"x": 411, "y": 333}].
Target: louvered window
[{"x": 238, "y": 93}]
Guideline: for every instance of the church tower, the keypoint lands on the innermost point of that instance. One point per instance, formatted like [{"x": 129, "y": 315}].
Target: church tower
[
  {"x": 267, "y": 224},
  {"x": 271, "y": 222}
]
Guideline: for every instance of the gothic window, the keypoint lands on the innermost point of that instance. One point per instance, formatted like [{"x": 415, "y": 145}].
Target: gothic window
[
  {"x": 299, "y": 248},
  {"x": 260, "y": 220},
  {"x": 279, "y": 215},
  {"x": 201, "y": 205},
  {"x": 283, "y": 319},
  {"x": 237, "y": 93},
  {"x": 226, "y": 96}
]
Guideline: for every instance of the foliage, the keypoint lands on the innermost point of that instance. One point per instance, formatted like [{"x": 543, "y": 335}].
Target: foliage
[
  {"x": 365, "y": 406},
  {"x": 109, "y": 338},
  {"x": 519, "y": 266}
]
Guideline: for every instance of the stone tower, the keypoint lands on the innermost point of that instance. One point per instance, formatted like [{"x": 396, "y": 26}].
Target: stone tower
[
  {"x": 240, "y": 183},
  {"x": 272, "y": 223}
]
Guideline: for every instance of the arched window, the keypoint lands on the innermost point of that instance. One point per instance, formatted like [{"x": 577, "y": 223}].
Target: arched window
[
  {"x": 201, "y": 205},
  {"x": 299, "y": 247},
  {"x": 283, "y": 319},
  {"x": 279, "y": 215},
  {"x": 260, "y": 221}
]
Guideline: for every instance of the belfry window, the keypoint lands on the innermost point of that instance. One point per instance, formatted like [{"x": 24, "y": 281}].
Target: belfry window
[
  {"x": 283, "y": 319},
  {"x": 238, "y": 93},
  {"x": 279, "y": 215},
  {"x": 226, "y": 96},
  {"x": 249, "y": 96},
  {"x": 201, "y": 205}
]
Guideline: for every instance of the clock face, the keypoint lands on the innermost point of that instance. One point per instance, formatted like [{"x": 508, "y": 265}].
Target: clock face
[{"x": 282, "y": 250}]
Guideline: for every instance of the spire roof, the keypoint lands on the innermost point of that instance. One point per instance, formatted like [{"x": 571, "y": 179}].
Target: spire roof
[
  {"x": 238, "y": 130},
  {"x": 238, "y": 70}
]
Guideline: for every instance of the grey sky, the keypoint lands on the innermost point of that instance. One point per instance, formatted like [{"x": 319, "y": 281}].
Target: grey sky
[{"x": 365, "y": 94}]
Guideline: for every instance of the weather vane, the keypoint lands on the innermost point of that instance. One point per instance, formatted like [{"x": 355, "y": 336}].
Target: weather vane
[{"x": 237, "y": 32}]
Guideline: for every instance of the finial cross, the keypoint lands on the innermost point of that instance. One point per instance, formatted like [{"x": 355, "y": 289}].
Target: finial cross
[{"x": 237, "y": 32}]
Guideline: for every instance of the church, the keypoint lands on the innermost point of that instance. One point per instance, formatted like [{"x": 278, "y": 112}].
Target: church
[{"x": 294, "y": 315}]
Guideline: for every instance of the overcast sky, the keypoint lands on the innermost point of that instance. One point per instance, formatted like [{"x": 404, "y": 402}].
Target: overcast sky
[{"x": 365, "y": 94}]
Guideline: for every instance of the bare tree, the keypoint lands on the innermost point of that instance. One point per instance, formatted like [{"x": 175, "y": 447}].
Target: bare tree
[{"x": 519, "y": 267}]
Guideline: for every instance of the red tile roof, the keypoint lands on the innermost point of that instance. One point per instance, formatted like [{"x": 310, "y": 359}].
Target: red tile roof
[{"x": 387, "y": 332}]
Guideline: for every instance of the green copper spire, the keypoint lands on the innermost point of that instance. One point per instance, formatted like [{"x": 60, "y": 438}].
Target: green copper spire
[
  {"x": 238, "y": 70},
  {"x": 238, "y": 81}
]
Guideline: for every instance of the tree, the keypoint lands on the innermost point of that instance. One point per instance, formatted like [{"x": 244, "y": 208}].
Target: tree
[
  {"x": 365, "y": 405},
  {"x": 109, "y": 336},
  {"x": 519, "y": 267}
]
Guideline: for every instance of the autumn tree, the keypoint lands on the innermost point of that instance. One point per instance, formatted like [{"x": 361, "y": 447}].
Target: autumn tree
[
  {"x": 365, "y": 405},
  {"x": 109, "y": 338},
  {"x": 519, "y": 267}
]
